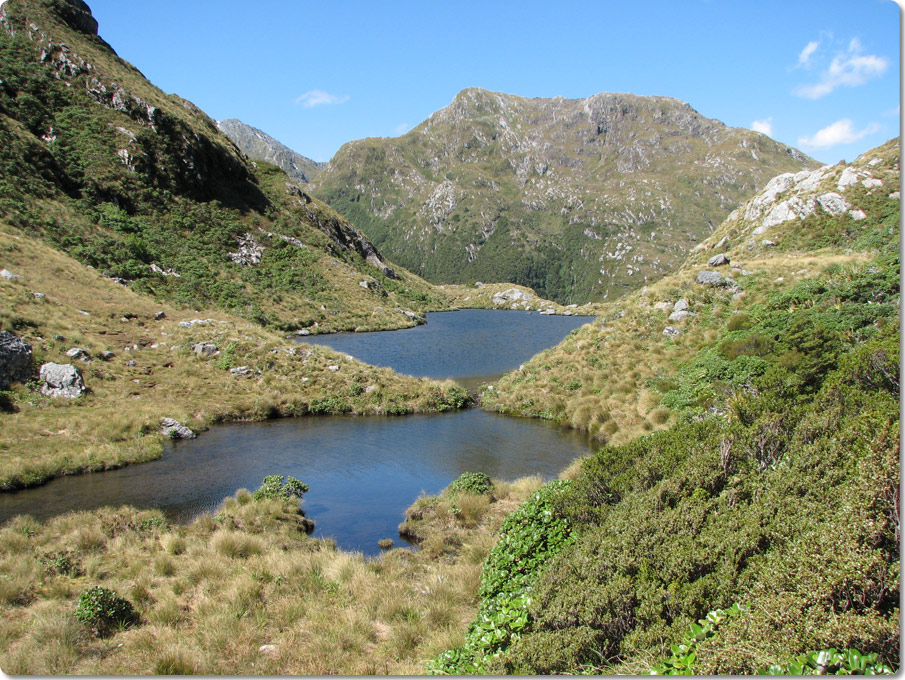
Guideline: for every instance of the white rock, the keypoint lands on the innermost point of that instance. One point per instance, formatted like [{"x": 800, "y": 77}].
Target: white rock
[
  {"x": 680, "y": 306},
  {"x": 8, "y": 275},
  {"x": 857, "y": 214},
  {"x": 871, "y": 183},
  {"x": 833, "y": 203}
]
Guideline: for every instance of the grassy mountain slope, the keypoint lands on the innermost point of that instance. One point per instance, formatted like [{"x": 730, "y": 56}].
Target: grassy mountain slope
[
  {"x": 260, "y": 146},
  {"x": 581, "y": 200},
  {"x": 142, "y": 185},
  {"x": 155, "y": 373},
  {"x": 774, "y": 479},
  {"x": 608, "y": 377}
]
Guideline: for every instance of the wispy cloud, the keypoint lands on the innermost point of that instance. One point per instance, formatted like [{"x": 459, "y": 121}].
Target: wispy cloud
[
  {"x": 804, "y": 59},
  {"x": 852, "y": 68},
  {"x": 314, "y": 98},
  {"x": 840, "y": 132},
  {"x": 764, "y": 126},
  {"x": 401, "y": 129}
]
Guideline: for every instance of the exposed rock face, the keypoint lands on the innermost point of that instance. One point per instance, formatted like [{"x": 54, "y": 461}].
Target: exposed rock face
[
  {"x": 260, "y": 146},
  {"x": 175, "y": 430},
  {"x": 15, "y": 360},
  {"x": 62, "y": 380},
  {"x": 718, "y": 260},
  {"x": 584, "y": 198}
]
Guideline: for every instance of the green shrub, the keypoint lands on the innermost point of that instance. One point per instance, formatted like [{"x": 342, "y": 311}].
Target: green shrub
[
  {"x": 471, "y": 482},
  {"x": 529, "y": 538},
  {"x": 104, "y": 611},
  {"x": 275, "y": 487}
]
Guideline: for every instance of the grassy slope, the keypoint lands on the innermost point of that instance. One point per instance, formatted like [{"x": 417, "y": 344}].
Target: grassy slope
[
  {"x": 604, "y": 377},
  {"x": 46, "y": 437},
  {"x": 98, "y": 162},
  {"x": 775, "y": 484}
]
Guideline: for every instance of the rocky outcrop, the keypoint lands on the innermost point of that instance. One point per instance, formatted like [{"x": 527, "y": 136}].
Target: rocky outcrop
[
  {"x": 173, "y": 429},
  {"x": 15, "y": 360},
  {"x": 62, "y": 380}
]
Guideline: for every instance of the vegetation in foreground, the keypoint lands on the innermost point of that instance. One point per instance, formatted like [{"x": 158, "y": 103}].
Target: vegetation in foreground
[{"x": 243, "y": 591}]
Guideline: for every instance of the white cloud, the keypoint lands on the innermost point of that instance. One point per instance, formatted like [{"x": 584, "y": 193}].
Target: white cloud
[
  {"x": 401, "y": 129},
  {"x": 314, "y": 98},
  {"x": 840, "y": 132},
  {"x": 804, "y": 59},
  {"x": 763, "y": 126},
  {"x": 850, "y": 69}
]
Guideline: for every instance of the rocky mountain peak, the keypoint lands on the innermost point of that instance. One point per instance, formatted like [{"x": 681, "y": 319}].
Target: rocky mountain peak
[{"x": 580, "y": 199}]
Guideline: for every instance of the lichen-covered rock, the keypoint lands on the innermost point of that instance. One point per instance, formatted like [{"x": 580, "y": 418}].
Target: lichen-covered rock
[
  {"x": 173, "y": 429},
  {"x": 78, "y": 353},
  {"x": 15, "y": 360},
  {"x": 62, "y": 380},
  {"x": 718, "y": 260},
  {"x": 709, "y": 278},
  {"x": 204, "y": 349}
]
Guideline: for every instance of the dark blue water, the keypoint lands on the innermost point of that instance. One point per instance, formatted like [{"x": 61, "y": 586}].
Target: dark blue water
[
  {"x": 362, "y": 471},
  {"x": 471, "y": 346}
]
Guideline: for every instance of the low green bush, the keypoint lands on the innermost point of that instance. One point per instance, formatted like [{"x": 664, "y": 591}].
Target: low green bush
[
  {"x": 104, "y": 611},
  {"x": 471, "y": 482},
  {"x": 275, "y": 487}
]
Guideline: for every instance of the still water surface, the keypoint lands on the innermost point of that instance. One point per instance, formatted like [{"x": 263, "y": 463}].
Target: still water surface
[{"x": 363, "y": 471}]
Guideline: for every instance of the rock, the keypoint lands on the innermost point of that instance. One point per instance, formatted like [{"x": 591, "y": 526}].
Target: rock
[
  {"x": 547, "y": 312},
  {"x": 130, "y": 363},
  {"x": 680, "y": 306},
  {"x": 333, "y": 367},
  {"x": 15, "y": 360},
  {"x": 106, "y": 356},
  {"x": 8, "y": 275},
  {"x": 204, "y": 349},
  {"x": 662, "y": 305},
  {"x": 680, "y": 316},
  {"x": 857, "y": 214},
  {"x": 62, "y": 380},
  {"x": 243, "y": 371},
  {"x": 267, "y": 649},
  {"x": 511, "y": 295},
  {"x": 833, "y": 203},
  {"x": 718, "y": 260},
  {"x": 303, "y": 331},
  {"x": 708, "y": 278},
  {"x": 175, "y": 430},
  {"x": 768, "y": 243},
  {"x": 39, "y": 296},
  {"x": 671, "y": 332},
  {"x": 159, "y": 315},
  {"x": 78, "y": 353},
  {"x": 365, "y": 285},
  {"x": 249, "y": 252}
]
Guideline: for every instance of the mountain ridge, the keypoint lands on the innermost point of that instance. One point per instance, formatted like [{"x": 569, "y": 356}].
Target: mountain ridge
[
  {"x": 259, "y": 146},
  {"x": 590, "y": 197}
]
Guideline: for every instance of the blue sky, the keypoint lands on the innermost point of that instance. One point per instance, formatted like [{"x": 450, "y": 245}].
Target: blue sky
[{"x": 820, "y": 75}]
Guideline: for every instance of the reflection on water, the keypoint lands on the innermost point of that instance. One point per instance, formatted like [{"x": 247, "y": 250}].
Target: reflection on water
[{"x": 363, "y": 471}]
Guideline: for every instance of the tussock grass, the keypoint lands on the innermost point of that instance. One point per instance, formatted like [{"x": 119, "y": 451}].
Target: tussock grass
[{"x": 216, "y": 599}]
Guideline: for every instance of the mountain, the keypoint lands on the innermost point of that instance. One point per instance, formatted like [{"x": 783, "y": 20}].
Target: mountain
[
  {"x": 260, "y": 146},
  {"x": 580, "y": 199},
  {"x": 144, "y": 187}
]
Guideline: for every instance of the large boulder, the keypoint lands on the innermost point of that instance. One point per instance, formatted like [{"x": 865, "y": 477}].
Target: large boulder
[
  {"x": 15, "y": 360},
  {"x": 62, "y": 380},
  {"x": 708, "y": 278}
]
